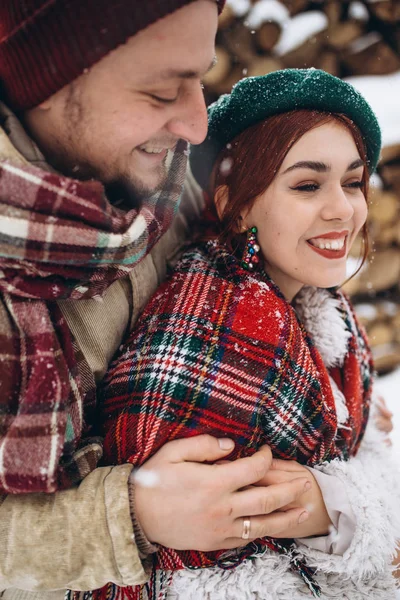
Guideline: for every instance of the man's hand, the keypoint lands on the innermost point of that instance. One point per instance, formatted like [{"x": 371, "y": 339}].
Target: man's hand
[
  {"x": 184, "y": 504},
  {"x": 318, "y": 523}
]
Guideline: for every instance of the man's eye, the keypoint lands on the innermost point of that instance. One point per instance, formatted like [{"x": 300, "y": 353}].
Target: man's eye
[
  {"x": 306, "y": 187},
  {"x": 163, "y": 100}
]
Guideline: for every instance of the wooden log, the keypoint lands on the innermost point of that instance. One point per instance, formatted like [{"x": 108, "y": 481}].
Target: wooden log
[
  {"x": 390, "y": 174},
  {"x": 220, "y": 70},
  {"x": 239, "y": 42},
  {"x": 301, "y": 40},
  {"x": 370, "y": 55},
  {"x": 225, "y": 86},
  {"x": 295, "y": 6},
  {"x": 263, "y": 65},
  {"x": 226, "y": 18},
  {"x": 386, "y": 236},
  {"x": 356, "y": 249},
  {"x": 396, "y": 325},
  {"x": 367, "y": 313},
  {"x": 303, "y": 57},
  {"x": 386, "y": 357},
  {"x": 381, "y": 274},
  {"x": 342, "y": 34},
  {"x": 267, "y": 18},
  {"x": 390, "y": 153},
  {"x": 396, "y": 39},
  {"x": 328, "y": 61},
  {"x": 386, "y": 10},
  {"x": 384, "y": 207},
  {"x": 380, "y": 333},
  {"x": 333, "y": 10},
  {"x": 267, "y": 36},
  {"x": 389, "y": 310},
  {"x": 398, "y": 233}
]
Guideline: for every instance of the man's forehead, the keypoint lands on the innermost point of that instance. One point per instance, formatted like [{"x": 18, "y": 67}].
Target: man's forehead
[{"x": 178, "y": 73}]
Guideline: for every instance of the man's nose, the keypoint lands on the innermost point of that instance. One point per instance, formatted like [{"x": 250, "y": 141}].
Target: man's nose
[{"x": 190, "y": 121}]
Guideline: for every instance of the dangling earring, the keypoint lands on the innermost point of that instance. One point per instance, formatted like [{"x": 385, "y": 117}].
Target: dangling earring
[{"x": 250, "y": 260}]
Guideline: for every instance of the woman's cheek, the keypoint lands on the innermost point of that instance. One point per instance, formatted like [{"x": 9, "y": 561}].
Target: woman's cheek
[{"x": 360, "y": 217}]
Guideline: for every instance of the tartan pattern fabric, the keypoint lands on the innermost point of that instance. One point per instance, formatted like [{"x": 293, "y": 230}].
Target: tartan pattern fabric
[
  {"x": 220, "y": 351},
  {"x": 59, "y": 239}
]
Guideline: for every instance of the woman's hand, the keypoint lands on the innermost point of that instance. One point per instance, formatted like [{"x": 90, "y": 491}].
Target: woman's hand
[
  {"x": 318, "y": 523},
  {"x": 384, "y": 417},
  {"x": 396, "y": 563}
]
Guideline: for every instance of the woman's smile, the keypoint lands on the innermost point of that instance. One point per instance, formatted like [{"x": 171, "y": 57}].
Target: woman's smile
[{"x": 331, "y": 245}]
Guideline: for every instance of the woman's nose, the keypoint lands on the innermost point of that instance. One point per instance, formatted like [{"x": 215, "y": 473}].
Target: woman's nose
[{"x": 338, "y": 205}]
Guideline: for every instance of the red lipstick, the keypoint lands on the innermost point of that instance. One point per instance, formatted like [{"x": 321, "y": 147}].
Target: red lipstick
[{"x": 329, "y": 253}]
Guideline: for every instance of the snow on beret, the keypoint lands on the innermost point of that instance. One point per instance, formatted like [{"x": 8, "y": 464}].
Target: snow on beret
[{"x": 256, "y": 98}]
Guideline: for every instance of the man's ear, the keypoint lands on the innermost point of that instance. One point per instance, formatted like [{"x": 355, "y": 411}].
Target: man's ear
[{"x": 221, "y": 197}]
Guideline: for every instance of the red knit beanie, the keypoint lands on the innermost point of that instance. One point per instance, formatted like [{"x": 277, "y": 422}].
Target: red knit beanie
[{"x": 46, "y": 44}]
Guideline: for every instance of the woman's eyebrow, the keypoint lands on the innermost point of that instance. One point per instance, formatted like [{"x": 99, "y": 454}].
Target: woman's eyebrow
[
  {"x": 356, "y": 164},
  {"x": 321, "y": 167}
]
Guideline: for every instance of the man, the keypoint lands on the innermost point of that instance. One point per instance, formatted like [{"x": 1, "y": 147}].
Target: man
[{"x": 105, "y": 92}]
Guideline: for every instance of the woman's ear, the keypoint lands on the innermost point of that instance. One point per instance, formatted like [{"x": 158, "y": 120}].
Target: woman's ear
[{"x": 221, "y": 197}]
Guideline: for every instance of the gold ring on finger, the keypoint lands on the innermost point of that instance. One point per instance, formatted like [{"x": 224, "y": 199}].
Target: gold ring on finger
[{"x": 246, "y": 529}]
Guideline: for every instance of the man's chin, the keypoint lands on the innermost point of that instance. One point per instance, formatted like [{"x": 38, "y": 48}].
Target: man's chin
[
  {"x": 131, "y": 192},
  {"x": 143, "y": 188}
]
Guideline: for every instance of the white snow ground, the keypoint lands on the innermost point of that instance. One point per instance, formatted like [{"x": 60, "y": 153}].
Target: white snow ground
[{"x": 389, "y": 387}]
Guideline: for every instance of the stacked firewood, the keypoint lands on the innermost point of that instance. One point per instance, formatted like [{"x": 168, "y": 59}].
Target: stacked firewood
[
  {"x": 342, "y": 37},
  {"x": 376, "y": 288},
  {"x": 345, "y": 38}
]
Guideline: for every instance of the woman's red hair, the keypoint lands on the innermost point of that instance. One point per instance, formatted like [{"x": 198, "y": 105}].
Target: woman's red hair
[{"x": 248, "y": 165}]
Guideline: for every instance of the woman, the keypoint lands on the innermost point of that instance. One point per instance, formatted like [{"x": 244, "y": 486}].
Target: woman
[{"x": 251, "y": 339}]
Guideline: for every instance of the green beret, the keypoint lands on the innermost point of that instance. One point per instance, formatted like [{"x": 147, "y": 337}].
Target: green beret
[{"x": 256, "y": 98}]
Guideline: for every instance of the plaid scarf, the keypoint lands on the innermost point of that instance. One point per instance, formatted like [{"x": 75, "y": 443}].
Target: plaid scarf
[
  {"x": 219, "y": 350},
  {"x": 59, "y": 239}
]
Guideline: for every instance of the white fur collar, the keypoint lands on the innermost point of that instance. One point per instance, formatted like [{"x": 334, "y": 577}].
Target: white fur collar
[{"x": 320, "y": 314}]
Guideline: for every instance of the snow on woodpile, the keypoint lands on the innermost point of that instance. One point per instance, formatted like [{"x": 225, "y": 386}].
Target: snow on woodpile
[
  {"x": 383, "y": 94},
  {"x": 299, "y": 29}
]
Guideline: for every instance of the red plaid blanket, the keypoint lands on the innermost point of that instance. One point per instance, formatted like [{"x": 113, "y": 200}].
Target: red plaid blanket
[
  {"x": 59, "y": 239},
  {"x": 220, "y": 351}
]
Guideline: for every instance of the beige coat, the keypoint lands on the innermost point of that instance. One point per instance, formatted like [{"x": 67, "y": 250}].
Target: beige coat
[{"x": 82, "y": 538}]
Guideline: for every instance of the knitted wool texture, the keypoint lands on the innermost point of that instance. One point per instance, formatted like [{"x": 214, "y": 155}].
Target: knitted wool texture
[
  {"x": 254, "y": 99},
  {"x": 46, "y": 44},
  {"x": 220, "y": 351}
]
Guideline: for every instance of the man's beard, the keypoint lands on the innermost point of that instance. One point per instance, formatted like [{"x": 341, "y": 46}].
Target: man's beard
[{"x": 128, "y": 192}]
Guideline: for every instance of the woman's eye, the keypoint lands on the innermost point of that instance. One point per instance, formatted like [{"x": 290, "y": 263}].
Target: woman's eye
[
  {"x": 306, "y": 187},
  {"x": 354, "y": 185}
]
